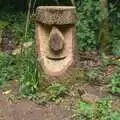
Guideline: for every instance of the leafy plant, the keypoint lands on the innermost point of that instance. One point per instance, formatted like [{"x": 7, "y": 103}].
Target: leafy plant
[
  {"x": 115, "y": 82},
  {"x": 102, "y": 110},
  {"x": 56, "y": 91},
  {"x": 93, "y": 75},
  {"x": 88, "y": 24},
  {"x": 30, "y": 68},
  {"x": 84, "y": 111},
  {"x": 97, "y": 76},
  {"x": 29, "y": 72},
  {"x": 9, "y": 69},
  {"x": 115, "y": 28}
]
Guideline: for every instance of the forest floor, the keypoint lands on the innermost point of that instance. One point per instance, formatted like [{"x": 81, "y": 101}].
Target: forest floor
[
  {"x": 14, "y": 107},
  {"x": 27, "y": 110},
  {"x": 22, "y": 109}
]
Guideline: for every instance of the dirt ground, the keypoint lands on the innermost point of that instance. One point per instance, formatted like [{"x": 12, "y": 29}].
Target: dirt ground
[
  {"x": 26, "y": 110},
  {"x": 11, "y": 109}
]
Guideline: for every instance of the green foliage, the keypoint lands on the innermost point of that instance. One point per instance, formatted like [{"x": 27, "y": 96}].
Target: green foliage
[
  {"x": 17, "y": 22},
  {"x": 23, "y": 66},
  {"x": 8, "y": 63},
  {"x": 3, "y": 24},
  {"x": 115, "y": 82},
  {"x": 114, "y": 78},
  {"x": 100, "y": 111},
  {"x": 90, "y": 14},
  {"x": 103, "y": 110},
  {"x": 29, "y": 72},
  {"x": 115, "y": 28},
  {"x": 84, "y": 111},
  {"x": 94, "y": 76},
  {"x": 56, "y": 91},
  {"x": 9, "y": 67},
  {"x": 22, "y": 5},
  {"x": 88, "y": 24},
  {"x": 26, "y": 67}
]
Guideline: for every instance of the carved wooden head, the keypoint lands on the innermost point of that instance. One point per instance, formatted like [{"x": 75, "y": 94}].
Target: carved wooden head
[{"x": 55, "y": 35}]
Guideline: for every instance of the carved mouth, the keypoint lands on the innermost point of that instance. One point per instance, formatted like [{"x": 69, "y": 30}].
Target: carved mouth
[{"x": 56, "y": 58}]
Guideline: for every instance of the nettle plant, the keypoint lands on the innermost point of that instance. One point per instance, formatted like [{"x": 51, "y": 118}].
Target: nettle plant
[{"x": 88, "y": 13}]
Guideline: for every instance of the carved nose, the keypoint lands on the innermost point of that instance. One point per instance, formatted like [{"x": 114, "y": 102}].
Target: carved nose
[{"x": 56, "y": 42}]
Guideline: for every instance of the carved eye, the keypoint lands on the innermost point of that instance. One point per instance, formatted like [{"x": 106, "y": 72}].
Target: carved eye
[{"x": 56, "y": 41}]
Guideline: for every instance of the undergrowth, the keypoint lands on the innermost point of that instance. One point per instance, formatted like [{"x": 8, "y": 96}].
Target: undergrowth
[
  {"x": 25, "y": 68},
  {"x": 102, "y": 110},
  {"x": 115, "y": 82},
  {"x": 22, "y": 66},
  {"x": 88, "y": 25},
  {"x": 53, "y": 93},
  {"x": 29, "y": 78},
  {"x": 9, "y": 69}
]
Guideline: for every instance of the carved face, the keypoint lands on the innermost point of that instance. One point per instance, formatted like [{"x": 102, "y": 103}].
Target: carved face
[{"x": 55, "y": 44}]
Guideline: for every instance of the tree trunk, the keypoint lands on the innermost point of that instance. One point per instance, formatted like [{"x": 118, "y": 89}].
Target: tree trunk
[{"x": 104, "y": 27}]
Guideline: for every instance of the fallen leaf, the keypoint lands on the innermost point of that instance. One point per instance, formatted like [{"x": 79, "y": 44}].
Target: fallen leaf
[
  {"x": 27, "y": 44},
  {"x": 7, "y": 92},
  {"x": 118, "y": 59},
  {"x": 16, "y": 51}
]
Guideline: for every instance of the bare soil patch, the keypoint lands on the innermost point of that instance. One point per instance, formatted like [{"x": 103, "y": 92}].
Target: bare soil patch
[{"x": 22, "y": 109}]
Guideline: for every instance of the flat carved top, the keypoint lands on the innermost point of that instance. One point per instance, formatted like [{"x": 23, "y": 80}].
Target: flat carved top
[{"x": 57, "y": 15}]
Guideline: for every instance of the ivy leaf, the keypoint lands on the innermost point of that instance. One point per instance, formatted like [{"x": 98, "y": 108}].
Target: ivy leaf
[{"x": 85, "y": 107}]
